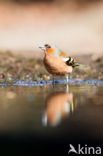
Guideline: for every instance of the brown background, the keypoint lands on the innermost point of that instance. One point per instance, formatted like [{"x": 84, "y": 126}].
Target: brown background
[{"x": 76, "y": 26}]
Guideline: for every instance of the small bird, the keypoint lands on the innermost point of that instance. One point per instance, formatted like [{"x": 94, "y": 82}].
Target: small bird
[{"x": 58, "y": 62}]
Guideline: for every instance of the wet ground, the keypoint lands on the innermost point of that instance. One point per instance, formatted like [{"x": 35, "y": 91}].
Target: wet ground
[
  {"x": 15, "y": 67},
  {"x": 47, "y": 119}
]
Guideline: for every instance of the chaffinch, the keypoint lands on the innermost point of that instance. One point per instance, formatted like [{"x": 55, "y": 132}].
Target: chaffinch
[{"x": 57, "y": 62}]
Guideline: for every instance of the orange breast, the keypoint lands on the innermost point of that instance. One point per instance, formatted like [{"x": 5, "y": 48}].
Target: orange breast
[{"x": 56, "y": 66}]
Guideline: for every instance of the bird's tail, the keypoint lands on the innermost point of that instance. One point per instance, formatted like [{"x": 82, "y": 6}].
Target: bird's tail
[
  {"x": 73, "y": 63},
  {"x": 78, "y": 65}
]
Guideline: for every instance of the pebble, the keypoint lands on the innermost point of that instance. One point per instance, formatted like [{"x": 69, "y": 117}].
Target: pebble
[{"x": 2, "y": 76}]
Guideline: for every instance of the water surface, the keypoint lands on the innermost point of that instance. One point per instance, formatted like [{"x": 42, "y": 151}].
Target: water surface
[{"x": 42, "y": 119}]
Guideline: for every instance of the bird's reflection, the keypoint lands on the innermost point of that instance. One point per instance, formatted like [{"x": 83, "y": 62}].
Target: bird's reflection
[{"x": 58, "y": 106}]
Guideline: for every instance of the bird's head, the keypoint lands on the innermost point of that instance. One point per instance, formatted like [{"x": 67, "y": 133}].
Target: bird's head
[{"x": 48, "y": 49}]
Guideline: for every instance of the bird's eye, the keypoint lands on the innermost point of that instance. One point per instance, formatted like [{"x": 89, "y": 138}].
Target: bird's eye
[{"x": 47, "y": 46}]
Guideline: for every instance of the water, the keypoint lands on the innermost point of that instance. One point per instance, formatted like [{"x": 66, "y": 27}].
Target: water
[
  {"x": 47, "y": 119},
  {"x": 43, "y": 82}
]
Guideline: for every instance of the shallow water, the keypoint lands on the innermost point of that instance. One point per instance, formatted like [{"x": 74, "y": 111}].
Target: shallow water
[{"x": 50, "y": 118}]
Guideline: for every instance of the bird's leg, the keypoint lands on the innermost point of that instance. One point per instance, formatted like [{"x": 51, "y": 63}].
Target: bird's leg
[
  {"x": 67, "y": 86},
  {"x": 67, "y": 79},
  {"x": 53, "y": 81}
]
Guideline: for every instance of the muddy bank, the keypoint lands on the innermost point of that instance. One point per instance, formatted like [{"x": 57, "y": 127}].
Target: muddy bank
[{"x": 17, "y": 67}]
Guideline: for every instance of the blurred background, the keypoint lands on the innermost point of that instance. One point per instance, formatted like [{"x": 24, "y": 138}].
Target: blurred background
[{"x": 75, "y": 26}]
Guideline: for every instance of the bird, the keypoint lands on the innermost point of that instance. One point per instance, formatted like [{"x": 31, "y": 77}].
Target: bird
[{"x": 57, "y": 62}]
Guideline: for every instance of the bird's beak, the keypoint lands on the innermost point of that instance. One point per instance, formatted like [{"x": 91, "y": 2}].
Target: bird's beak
[{"x": 42, "y": 48}]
